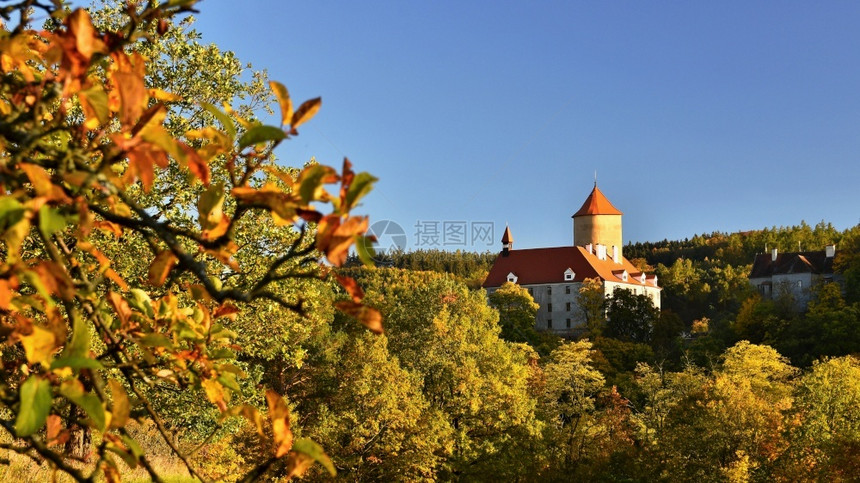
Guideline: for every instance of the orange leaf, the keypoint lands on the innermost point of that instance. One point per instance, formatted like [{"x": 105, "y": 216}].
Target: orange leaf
[
  {"x": 109, "y": 227},
  {"x": 42, "y": 184},
  {"x": 129, "y": 85},
  {"x": 370, "y": 317},
  {"x": 226, "y": 310},
  {"x": 305, "y": 112},
  {"x": 351, "y": 287},
  {"x": 112, "y": 275},
  {"x": 120, "y": 305},
  {"x": 82, "y": 28},
  {"x": 6, "y": 293},
  {"x": 55, "y": 279},
  {"x": 225, "y": 255},
  {"x": 334, "y": 237},
  {"x": 279, "y": 414},
  {"x": 284, "y": 205},
  {"x": 195, "y": 164},
  {"x": 161, "y": 266},
  {"x": 346, "y": 178}
]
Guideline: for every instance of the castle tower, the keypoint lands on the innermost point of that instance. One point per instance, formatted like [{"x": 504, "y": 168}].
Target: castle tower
[
  {"x": 507, "y": 242},
  {"x": 597, "y": 222}
]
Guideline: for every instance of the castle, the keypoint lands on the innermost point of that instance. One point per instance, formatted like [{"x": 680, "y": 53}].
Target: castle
[{"x": 553, "y": 276}]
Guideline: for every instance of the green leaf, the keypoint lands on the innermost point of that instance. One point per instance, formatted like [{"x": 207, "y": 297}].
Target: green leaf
[
  {"x": 364, "y": 248},
  {"x": 223, "y": 118},
  {"x": 11, "y": 212},
  {"x": 361, "y": 185},
  {"x": 35, "y": 396},
  {"x": 156, "y": 340},
  {"x": 127, "y": 457},
  {"x": 76, "y": 363},
  {"x": 141, "y": 302},
  {"x": 79, "y": 346},
  {"x": 50, "y": 221},
  {"x": 95, "y": 102},
  {"x": 210, "y": 205},
  {"x": 135, "y": 448},
  {"x": 222, "y": 353},
  {"x": 73, "y": 390},
  {"x": 315, "y": 451},
  {"x": 229, "y": 380},
  {"x": 261, "y": 134},
  {"x": 312, "y": 179}
]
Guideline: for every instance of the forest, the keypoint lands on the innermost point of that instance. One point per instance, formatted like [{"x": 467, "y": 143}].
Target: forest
[{"x": 177, "y": 304}]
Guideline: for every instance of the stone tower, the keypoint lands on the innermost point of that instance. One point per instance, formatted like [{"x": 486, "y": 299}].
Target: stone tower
[{"x": 597, "y": 222}]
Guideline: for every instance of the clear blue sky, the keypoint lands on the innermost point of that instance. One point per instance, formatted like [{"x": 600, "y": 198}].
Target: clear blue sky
[{"x": 697, "y": 116}]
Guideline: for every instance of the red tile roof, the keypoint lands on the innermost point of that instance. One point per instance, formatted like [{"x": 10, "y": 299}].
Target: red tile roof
[
  {"x": 547, "y": 265},
  {"x": 597, "y": 204},
  {"x": 507, "y": 237}
]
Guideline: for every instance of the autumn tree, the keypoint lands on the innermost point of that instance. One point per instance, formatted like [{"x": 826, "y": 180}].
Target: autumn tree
[
  {"x": 591, "y": 300},
  {"x": 630, "y": 317},
  {"x": 89, "y": 150}
]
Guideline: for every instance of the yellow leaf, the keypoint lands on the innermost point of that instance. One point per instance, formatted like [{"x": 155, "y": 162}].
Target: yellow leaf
[
  {"x": 121, "y": 408},
  {"x": 161, "y": 266},
  {"x": 215, "y": 393},
  {"x": 284, "y": 100},
  {"x": 39, "y": 345}
]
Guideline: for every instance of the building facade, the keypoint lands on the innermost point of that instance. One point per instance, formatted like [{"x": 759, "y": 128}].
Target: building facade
[
  {"x": 554, "y": 276},
  {"x": 794, "y": 273}
]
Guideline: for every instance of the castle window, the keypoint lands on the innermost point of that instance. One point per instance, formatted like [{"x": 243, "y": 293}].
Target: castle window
[
  {"x": 569, "y": 274},
  {"x": 800, "y": 284},
  {"x": 512, "y": 278},
  {"x": 549, "y": 323},
  {"x": 549, "y": 290},
  {"x": 531, "y": 292},
  {"x": 567, "y": 289},
  {"x": 549, "y": 307},
  {"x": 568, "y": 323},
  {"x": 568, "y": 306}
]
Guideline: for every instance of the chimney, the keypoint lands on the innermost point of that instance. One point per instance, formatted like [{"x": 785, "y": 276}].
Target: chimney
[
  {"x": 773, "y": 254},
  {"x": 601, "y": 252},
  {"x": 590, "y": 249},
  {"x": 830, "y": 251},
  {"x": 615, "y": 256}
]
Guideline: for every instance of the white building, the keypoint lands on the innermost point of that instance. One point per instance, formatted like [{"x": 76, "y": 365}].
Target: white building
[{"x": 554, "y": 275}]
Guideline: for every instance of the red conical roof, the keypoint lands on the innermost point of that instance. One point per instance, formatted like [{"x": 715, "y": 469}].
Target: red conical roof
[
  {"x": 597, "y": 204},
  {"x": 507, "y": 238}
]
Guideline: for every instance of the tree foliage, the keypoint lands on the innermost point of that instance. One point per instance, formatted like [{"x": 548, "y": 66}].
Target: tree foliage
[{"x": 94, "y": 158}]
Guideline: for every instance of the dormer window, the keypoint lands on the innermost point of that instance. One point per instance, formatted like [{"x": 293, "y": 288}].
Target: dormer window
[
  {"x": 512, "y": 278},
  {"x": 569, "y": 274},
  {"x": 622, "y": 274}
]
